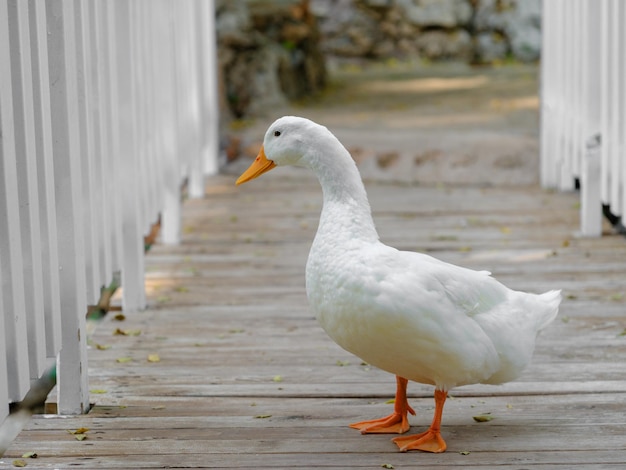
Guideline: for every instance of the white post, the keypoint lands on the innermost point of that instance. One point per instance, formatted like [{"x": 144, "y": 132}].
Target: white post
[
  {"x": 45, "y": 177},
  {"x": 168, "y": 127},
  {"x": 11, "y": 268},
  {"x": 617, "y": 60},
  {"x": 111, "y": 143},
  {"x": 133, "y": 297},
  {"x": 72, "y": 364},
  {"x": 193, "y": 83},
  {"x": 24, "y": 122},
  {"x": 590, "y": 201},
  {"x": 4, "y": 376},
  {"x": 591, "y": 206},
  {"x": 210, "y": 100},
  {"x": 86, "y": 111}
]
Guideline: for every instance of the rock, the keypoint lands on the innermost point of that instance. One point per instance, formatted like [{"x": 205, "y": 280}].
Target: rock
[
  {"x": 350, "y": 33},
  {"x": 437, "y": 13},
  {"x": 526, "y": 43},
  {"x": 525, "y": 31},
  {"x": 439, "y": 44},
  {"x": 490, "y": 47},
  {"x": 267, "y": 51},
  {"x": 519, "y": 23}
]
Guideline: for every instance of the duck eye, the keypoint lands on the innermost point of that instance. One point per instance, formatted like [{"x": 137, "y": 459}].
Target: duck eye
[{"x": 276, "y": 133}]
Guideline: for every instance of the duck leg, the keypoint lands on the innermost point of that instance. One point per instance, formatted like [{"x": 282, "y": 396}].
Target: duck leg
[
  {"x": 396, "y": 422},
  {"x": 431, "y": 440}
]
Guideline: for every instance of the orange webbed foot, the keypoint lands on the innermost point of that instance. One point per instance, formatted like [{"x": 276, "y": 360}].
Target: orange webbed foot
[
  {"x": 397, "y": 422},
  {"x": 429, "y": 441}
]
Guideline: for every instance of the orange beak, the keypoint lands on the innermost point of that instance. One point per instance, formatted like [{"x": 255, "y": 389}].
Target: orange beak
[{"x": 260, "y": 165}]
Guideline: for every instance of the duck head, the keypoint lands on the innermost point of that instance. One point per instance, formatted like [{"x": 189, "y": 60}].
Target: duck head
[{"x": 286, "y": 143}]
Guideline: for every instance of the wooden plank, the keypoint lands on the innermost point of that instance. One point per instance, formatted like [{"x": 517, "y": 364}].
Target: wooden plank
[
  {"x": 341, "y": 461},
  {"x": 228, "y": 426}
]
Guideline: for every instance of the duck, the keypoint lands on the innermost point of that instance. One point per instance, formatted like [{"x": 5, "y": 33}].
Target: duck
[{"x": 407, "y": 313}]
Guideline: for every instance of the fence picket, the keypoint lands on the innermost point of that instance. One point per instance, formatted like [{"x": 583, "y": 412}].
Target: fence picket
[
  {"x": 207, "y": 60},
  {"x": 11, "y": 264},
  {"x": 86, "y": 111},
  {"x": 45, "y": 177},
  {"x": 583, "y": 104},
  {"x": 106, "y": 108},
  {"x": 62, "y": 54},
  {"x": 23, "y": 107}
]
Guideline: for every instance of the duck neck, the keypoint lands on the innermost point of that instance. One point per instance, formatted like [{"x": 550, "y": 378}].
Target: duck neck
[{"x": 346, "y": 213}]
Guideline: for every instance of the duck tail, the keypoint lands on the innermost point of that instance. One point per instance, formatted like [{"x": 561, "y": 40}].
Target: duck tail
[{"x": 551, "y": 300}]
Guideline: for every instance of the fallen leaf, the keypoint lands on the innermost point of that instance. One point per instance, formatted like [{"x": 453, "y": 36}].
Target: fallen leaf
[
  {"x": 119, "y": 317},
  {"x": 79, "y": 431},
  {"x": 464, "y": 452},
  {"x": 482, "y": 418},
  {"x": 182, "y": 289},
  {"x": 342, "y": 363},
  {"x": 30, "y": 455},
  {"x": 19, "y": 463},
  {"x": 102, "y": 347},
  {"x": 154, "y": 358},
  {"x": 162, "y": 299},
  {"x": 505, "y": 230},
  {"x": 120, "y": 332},
  {"x": 123, "y": 360},
  {"x": 97, "y": 391},
  {"x": 387, "y": 465},
  {"x": 160, "y": 407},
  {"x": 277, "y": 378},
  {"x": 80, "y": 437},
  {"x": 391, "y": 401},
  {"x": 263, "y": 416}
]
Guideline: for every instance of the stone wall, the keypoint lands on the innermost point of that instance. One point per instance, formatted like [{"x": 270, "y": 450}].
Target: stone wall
[
  {"x": 478, "y": 31},
  {"x": 273, "y": 50},
  {"x": 268, "y": 51}
]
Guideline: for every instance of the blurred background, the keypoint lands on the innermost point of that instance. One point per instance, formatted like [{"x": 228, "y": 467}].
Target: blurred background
[{"x": 418, "y": 90}]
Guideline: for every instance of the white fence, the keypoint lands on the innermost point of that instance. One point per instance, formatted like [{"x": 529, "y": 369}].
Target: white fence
[
  {"x": 105, "y": 108},
  {"x": 583, "y": 106}
]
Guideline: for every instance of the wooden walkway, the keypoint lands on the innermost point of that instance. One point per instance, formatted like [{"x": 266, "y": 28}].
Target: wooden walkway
[{"x": 228, "y": 368}]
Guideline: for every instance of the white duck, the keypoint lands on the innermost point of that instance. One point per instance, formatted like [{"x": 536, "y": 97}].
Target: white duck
[{"x": 407, "y": 313}]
